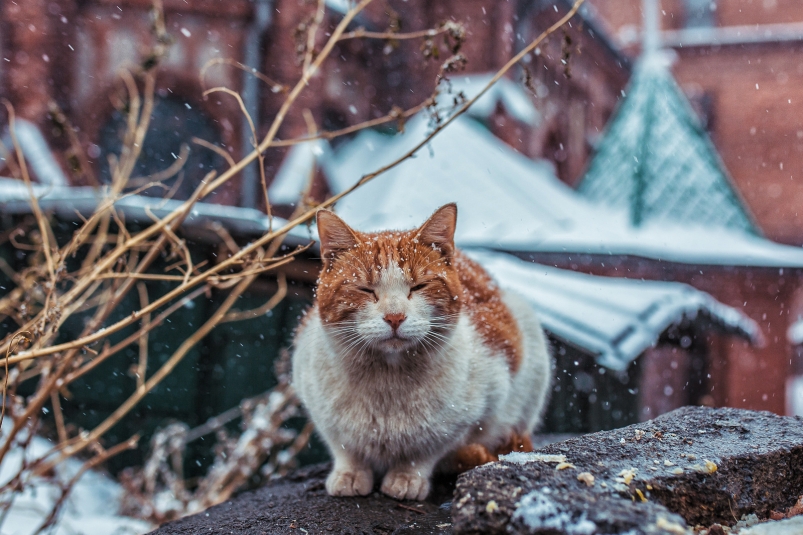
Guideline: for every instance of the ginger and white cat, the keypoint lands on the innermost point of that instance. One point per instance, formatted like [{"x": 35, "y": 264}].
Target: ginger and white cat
[{"x": 412, "y": 356}]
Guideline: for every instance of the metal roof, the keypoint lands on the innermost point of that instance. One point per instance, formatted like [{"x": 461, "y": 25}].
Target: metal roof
[
  {"x": 656, "y": 162},
  {"x": 613, "y": 319},
  {"x": 509, "y": 202},
  {"x": 75, "y": 203}
]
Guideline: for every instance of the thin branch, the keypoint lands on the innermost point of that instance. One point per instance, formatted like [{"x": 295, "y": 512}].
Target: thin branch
[
  {"x": 82, "y": 441},
  {"x": 40, "y": 218},
  {"x": 275, "y": 87},
  {"x": 18, "y": 338},
  {"x": 363, "y": 33},
  {"x": 142, "y": 366},
  {"x": 280, "y": 294},
  {"x": 255, "y": 141},
  {"x": 219, "y": 150},
  {"x": 59, "y": 416}
]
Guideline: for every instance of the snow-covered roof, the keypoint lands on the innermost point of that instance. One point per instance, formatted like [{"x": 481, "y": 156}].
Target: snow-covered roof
[
  {"x": 68, "y": 202},
  {"x": 795, "y": 333},
  {"x": 656, "y": 162},
  {"x": 611, "y": 319},
  {"x": 294, "y": 173},
  {"x": 36, "y": 152},
  {"x": 510, "y": 95},
  {"x": 512, "y": 203},
  {"x": 614, "y": 319}
]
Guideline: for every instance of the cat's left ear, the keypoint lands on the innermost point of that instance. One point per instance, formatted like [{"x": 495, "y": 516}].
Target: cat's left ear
[
  {"x": 438, "y": 230},
  {"x": 335, "y": 235}
]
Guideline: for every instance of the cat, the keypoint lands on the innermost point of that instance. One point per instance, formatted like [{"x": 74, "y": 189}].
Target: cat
[{"x": 411, "y": 356}]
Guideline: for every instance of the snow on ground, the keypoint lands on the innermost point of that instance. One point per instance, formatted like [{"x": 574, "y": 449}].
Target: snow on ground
[{"x": 91, "y": 508}]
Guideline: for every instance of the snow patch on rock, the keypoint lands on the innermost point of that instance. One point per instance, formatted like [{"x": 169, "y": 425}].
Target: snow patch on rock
[{"x": 539, "y": 511}]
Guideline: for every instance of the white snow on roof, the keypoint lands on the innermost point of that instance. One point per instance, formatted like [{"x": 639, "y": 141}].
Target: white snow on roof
[
  {"x": 293, "y": 175},
  {"x": 90, "y": 509},
  {"x": 505, "y": 92},
  {"x": 615, "y": 319},
  {"x": 795, "y": 332},
  {"x": 507, "y": 201},
  {"x": 36, "y": 152},
  {"x": 339, "y": 6},
  {"x": 67, "y": 202}
]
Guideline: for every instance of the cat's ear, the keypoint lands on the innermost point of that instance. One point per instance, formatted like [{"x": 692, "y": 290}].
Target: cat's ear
[
  {"x": 438, "y": 230},
  {"x": 335, "y": 235}
]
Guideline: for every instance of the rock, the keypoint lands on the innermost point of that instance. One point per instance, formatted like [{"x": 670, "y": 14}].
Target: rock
[
  {"x": 693, "y": 466},
  {"x": 790, "y": 526},
  {"x": 299, "y": 504}
]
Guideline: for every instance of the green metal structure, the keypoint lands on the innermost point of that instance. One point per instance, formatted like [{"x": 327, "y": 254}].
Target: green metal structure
[{"x": 657, "y": 162}]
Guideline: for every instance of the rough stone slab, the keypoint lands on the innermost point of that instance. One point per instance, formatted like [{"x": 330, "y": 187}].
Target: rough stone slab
[
  {"x": 754, "y": 465},
  {"x": 299, "y": 502}
]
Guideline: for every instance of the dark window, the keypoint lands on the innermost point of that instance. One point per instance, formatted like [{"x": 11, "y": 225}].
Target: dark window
[{"x": 174, "y": 123}]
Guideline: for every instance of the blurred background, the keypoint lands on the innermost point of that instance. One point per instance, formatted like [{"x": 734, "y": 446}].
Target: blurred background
[{"x": 638, "y": 177}]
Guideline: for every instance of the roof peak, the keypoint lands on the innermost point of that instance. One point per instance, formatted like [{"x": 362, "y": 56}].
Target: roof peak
[{"x": 657, "y": 162}]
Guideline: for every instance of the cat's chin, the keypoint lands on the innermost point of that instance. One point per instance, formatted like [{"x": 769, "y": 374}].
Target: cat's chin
[{"x": 395, "y": 345}]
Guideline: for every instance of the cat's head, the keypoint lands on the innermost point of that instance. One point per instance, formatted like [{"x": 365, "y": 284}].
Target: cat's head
[{"x": 389, "y": 292}]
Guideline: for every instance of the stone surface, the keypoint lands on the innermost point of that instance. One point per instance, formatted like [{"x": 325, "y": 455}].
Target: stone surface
[
  {"x": 695, "y": 464},
  {"x": 299, "y": 504}
]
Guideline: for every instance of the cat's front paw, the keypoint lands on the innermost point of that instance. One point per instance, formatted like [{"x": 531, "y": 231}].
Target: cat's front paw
[
  {"x": 350, "y": 483},
  {"x": 405, "y": 486}
]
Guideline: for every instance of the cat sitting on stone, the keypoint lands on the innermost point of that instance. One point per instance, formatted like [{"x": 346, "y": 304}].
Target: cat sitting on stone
[{"x": 412, "y": 357}]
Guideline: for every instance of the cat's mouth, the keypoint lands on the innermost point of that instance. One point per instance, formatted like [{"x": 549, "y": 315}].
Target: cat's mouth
[{"x": 396, "y": 342}]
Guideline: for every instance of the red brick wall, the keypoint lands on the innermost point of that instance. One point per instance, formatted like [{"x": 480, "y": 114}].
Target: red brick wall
[{"x": 757, "y": 96}]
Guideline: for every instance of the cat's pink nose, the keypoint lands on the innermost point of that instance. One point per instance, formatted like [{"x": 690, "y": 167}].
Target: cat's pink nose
[{"x": 394, "y": 320}]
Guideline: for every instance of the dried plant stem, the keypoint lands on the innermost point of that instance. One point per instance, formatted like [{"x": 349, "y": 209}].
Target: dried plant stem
[
  {"x": 309, "y": 53},
  {"x": 460, "y": 111},
  {"x": 40, "y": 218},
  {"x": 147, "y": 327},
  {"x": 104, "y": 456},
  {"x": 395, "y": 115},
  {"x": 59, "y": 416},
  {"x": 280, "y": 294},
  {"x": 276, "y": 87},
  {"x": 204, "y": 189},
  {"x": 142, "y": 365},
  {"x": 255, "y": 141},
  {"x": 81, "y": 442},
  {"x": 268, "y": 237},
  {"x": 363, "y": 33},
  {"x": 15, "y": 340},
  {"x": 219, "y": 150}
]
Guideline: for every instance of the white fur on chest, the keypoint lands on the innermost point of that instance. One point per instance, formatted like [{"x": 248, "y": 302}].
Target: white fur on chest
[{"x": 395, "y": 416}]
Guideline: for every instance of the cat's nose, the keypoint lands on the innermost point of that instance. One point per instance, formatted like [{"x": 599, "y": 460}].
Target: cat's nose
[{"x": 394, "y": 320}]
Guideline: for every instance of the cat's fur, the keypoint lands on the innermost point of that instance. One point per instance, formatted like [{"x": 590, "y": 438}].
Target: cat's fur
[{"x": 412, "y": 355}]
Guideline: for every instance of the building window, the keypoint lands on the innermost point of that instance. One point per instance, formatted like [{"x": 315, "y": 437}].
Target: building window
[
  {"x": 700, "y": 13},
  {"x": 174, "y": 123}
]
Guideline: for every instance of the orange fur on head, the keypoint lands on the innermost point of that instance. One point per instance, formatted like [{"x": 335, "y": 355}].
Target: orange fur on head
[{"x": 353, "y": 261}]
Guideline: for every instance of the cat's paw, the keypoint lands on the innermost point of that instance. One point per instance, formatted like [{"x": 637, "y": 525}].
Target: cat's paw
[
  {"x": 350, "y": 483},
  {"x": 405, "y": 486}
]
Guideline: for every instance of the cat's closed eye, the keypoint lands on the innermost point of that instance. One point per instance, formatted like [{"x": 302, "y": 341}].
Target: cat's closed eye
[
  {"x": 416, "y": 288},
  {"x": 368, "y": 291}
]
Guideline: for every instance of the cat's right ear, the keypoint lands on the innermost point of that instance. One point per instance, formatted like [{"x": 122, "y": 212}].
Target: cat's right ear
[{"x": 335, "y": 235}]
